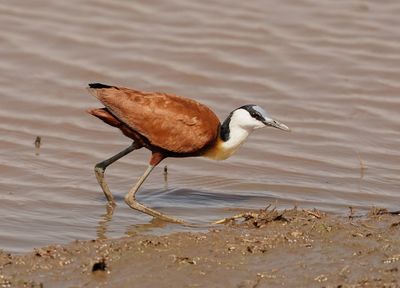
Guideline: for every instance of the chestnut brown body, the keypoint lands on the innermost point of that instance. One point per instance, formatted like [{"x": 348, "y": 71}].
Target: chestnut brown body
[{"x": 166, "y": 124}]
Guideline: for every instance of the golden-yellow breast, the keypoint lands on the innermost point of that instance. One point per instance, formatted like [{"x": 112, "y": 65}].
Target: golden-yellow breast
[{"x": 219, "y": 151}]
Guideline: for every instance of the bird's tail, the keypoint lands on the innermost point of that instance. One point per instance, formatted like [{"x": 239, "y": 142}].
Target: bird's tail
[
  {"x": 99, "y": 86},
  {"x": 95, "y": 88},
  {"x": 106, "y": 116}
]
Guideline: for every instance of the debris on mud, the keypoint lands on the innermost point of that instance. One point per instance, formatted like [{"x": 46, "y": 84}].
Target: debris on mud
[
  {"x": 265, "y": 248},
  {"x": 99, "y": 266},
  {"x": 375, "y": 211},
  {"x": 260, "y": 218}
]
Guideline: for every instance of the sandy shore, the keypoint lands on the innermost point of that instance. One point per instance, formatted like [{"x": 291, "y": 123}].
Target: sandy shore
[{"x": 268, "y": 248}]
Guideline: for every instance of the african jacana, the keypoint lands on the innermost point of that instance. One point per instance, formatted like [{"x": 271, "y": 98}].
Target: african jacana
[{"x": 171, "y": 126}]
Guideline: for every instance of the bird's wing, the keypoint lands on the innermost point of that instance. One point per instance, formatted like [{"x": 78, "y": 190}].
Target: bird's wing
[{"x": 173, "y": 123}]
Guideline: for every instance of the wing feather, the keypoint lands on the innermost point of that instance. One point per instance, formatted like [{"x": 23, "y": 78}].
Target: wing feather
[{"x": 171, "y": 122}]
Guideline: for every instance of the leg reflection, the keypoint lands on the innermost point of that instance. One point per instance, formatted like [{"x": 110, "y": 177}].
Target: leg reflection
[{"x": 104, "y": 222}]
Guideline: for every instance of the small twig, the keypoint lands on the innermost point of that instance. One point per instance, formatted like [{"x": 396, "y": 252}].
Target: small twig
[
  {"x": 165, "y": 176},
  {"x": 316, "y": 215},
  {"x": 38, "y": 142},
  {"x": 382, "y": 211},
  {"x": 368, "y": 226},
  {"x": 391, "y": 212},
  {"x": 395, "y": 224},
  {"x": 351, "y": 215},
  {"x": 363, "y": 167},
  {"x": 234, "y": 217}
]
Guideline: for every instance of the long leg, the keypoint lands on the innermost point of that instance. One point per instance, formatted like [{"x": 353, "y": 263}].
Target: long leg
[
  {"x": 100, "y": 168},
  {"x": 131, "y": 200}
]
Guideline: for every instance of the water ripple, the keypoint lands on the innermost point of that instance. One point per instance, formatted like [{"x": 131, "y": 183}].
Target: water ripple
[{"x": 330, "y": 70}]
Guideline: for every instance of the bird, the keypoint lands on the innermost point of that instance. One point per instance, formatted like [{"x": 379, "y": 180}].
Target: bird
[{"x": 170, "y": 126}]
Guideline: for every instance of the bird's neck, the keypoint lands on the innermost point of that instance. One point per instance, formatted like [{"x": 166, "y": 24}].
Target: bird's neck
[{"x": 230, "y": 138}]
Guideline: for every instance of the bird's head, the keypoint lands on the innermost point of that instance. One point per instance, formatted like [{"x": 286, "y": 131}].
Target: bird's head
[
  {"x": 251, "y": 117},
  {"x": 240, "y": 123}
]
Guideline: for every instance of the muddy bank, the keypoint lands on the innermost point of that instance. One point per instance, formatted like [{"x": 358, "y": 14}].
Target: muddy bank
[{"x": 268, "y": 248}]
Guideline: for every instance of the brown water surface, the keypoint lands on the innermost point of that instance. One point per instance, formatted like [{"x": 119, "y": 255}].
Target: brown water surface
[{"x": 328, "y": 69}]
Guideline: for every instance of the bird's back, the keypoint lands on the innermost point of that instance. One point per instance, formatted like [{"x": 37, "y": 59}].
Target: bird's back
[{"x": 173, "y": 123}]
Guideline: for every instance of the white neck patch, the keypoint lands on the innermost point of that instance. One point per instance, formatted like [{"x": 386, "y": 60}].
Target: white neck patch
[{"x": 241, "y": 126}]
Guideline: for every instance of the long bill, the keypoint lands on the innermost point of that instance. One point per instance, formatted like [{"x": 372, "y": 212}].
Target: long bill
[{"x": 277, "y": 124}]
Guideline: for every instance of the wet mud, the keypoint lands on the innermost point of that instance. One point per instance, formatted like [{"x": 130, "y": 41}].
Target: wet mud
[{"x": 266, "y": 248}]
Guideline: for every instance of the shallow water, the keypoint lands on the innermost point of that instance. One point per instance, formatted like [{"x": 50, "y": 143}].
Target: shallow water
[{"x": 329, "y": 70}]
